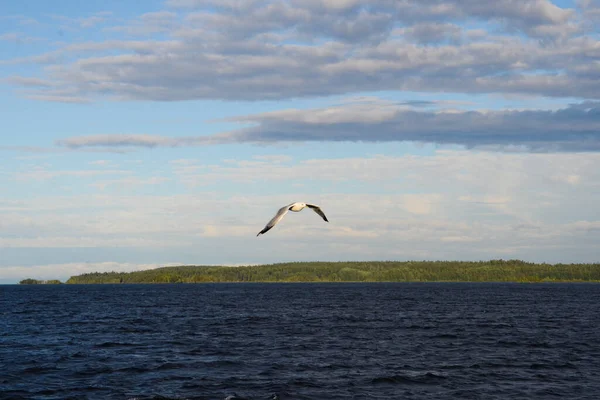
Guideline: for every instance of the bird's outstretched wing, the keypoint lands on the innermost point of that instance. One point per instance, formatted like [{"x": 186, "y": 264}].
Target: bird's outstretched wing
[
  {"x": 318, "y": 210},
  {"x": 282, "y": 211}
]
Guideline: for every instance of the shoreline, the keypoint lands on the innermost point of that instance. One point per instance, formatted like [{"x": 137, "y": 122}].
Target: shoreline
[{"x": 498, "y": 271}]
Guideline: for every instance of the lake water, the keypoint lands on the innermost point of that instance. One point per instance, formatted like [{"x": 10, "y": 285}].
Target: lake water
[{"x": 300, "y": 341}]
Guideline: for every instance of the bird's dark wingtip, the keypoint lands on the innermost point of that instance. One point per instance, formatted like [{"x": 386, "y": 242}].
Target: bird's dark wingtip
[{"x": 265, "y": 230}]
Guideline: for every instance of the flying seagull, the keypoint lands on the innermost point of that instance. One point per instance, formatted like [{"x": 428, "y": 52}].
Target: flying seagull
[{"x": 291, "y": 207}]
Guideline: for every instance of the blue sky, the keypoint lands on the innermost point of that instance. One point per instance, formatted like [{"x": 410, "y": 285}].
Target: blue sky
[{"x": 144, "y": 134}]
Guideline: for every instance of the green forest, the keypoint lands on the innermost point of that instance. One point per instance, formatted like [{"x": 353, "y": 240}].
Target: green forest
[
  {"x": 368, "y": 271},
  {"x": 30, "y": 281}
]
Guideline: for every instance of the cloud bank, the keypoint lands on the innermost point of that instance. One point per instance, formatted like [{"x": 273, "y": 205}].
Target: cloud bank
[
  {"x": 285, "y": 49},
  {"x": 574, "y": 128},
  {"x": 431, "y": 202}
]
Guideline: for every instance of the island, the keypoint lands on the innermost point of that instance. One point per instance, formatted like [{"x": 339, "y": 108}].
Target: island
[
  {"x": 357, "y": 271},
  {"x": 30, "y": 281}
]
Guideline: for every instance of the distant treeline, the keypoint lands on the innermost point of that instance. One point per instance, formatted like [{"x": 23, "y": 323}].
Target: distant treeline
[
  {"x": 30, "y": 281},
  {"x": 369, "y": 271}
]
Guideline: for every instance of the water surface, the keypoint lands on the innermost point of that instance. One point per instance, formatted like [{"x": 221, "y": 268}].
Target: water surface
[{"x": 300, "y": 341}]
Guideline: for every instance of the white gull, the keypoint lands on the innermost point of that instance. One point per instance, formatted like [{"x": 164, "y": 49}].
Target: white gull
[{"x": 296, "y": 207}]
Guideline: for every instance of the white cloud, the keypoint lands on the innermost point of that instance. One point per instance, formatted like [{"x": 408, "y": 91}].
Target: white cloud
[
  {"x": 66, "y": 270},
  {"x": 90, "y": 21},
  {"x": 70, "y": 242},
  {"x": 129, "y": 183},
  {"x": 275, "y": 158},
  {"x": 46, "y": 173},
  {"x": 19, "y": 38},
  {"x": 137, "y": 140},
  {"x": 430, "y": 32},
  {"x": 276, "y": 49},
  {"x": 148, "y": 23},
  {"x": 100, "y": 162},
  {"x": 518, "y": 205},
  {"x": 419, "y": 204},
  {"x": 572, "y": 128}
]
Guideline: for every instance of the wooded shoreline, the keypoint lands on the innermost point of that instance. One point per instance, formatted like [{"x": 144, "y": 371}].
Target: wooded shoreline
[{"x": 356, "y": 271}]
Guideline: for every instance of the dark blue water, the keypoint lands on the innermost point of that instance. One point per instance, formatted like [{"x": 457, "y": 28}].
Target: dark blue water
[{"x": 300, "y": 341}]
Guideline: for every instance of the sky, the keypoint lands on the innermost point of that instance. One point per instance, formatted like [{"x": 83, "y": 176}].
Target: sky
[{"x": 137, "y": 135}]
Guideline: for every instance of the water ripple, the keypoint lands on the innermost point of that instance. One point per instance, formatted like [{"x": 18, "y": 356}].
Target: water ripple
[{"x": 300, "y": 341}]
